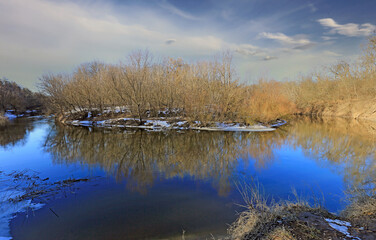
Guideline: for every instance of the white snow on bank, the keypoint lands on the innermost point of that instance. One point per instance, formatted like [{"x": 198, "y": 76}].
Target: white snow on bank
[
  {"x": 160, "y": 124},
  {"x": 235, "y": 127},
  {"x": 9, "y": 209},
  {"x": 157, "y": 124},
  {"x": 279, "y": 123},
  {"x": 341, "y": 226}
]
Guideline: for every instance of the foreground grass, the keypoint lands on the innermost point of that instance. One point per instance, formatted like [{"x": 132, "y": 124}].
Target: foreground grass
[
  {"x": 267, "y": 219},
  {"x": 362, "y": 208}
]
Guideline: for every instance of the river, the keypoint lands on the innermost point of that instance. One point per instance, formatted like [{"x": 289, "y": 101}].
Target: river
[{"x": 169, "y": 185}]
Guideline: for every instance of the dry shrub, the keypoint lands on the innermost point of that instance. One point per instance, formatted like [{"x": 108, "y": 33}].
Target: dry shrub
[{"x": 267, "y": 101}]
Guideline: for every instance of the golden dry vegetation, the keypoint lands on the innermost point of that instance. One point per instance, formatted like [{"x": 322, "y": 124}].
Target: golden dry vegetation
[
  {"x": 210, "y": 90},
  {"x": 203, "y": 90},
  {"x": 344, "y": 89}
]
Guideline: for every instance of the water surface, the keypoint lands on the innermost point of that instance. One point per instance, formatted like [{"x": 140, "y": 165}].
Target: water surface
[{"x": 161, "y": 185}]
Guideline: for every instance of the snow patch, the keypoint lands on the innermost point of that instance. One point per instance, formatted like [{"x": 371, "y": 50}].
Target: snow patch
[
  {"x": 340, "y": 226},
  {"x": 161, "y": 124},
  {"x": 8, "y": 209}
]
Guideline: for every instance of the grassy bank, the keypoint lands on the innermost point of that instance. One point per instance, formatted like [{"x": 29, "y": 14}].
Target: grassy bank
[
  {"x": 266, "y": 219},
  {"x": 354, "y": 109}
]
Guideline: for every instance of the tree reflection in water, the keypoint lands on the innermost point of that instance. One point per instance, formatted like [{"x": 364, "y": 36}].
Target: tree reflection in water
[
  {"x": 140, "y": 155},
  {"x": 346, "y": 147},
  {"x": 15, "y": 132}
]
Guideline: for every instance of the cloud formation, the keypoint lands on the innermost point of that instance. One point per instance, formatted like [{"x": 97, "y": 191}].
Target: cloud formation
[
  {"x": 349, "y": 29},
  {"x": 268, "y": 58},
  {"x": 246, "y": 49},
  {"x": 294, "y": 42},
  {"x": 40, "y": 36},
  {"x": 174, "y": 10},
  {"x": 332, "y": 54}
]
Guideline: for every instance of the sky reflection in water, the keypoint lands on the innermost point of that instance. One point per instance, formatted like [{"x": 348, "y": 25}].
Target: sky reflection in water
[{"x": 157, "y": 184}]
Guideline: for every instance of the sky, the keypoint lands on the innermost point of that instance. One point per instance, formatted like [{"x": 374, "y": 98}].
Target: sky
[{"x": 274, "y": 39}]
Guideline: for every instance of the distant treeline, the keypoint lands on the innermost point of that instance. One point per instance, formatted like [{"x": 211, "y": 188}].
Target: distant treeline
[
  {"x": 340, "y": 82},
  {"x": 19, "y": 99},
  {"x": 204, "y": 90}
]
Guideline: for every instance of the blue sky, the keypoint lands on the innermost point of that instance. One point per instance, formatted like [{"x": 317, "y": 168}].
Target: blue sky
[{"x": 269, "y": 38}]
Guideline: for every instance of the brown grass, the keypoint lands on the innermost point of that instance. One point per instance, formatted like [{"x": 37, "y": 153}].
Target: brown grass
[
  {"x": 280, "y": 233},
  {"x": 266, "y": 219},
  {"x": 362, "y": 207}
]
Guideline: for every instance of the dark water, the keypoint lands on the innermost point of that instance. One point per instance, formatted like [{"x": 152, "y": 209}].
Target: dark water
[{"x": 157, "y": 185}]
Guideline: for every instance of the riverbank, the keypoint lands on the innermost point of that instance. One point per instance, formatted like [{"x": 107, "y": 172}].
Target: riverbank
[
  {"x": 300, "y": 220},
  {"x": 354, "y": 109},
  {"x": 25, "y": 192},
  {"x": 11, "y": 114},
  {"x": 121, "y": 120}
]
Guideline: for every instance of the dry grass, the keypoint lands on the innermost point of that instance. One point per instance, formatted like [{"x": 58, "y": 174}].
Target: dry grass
[
  {"x": 362, "y": 207},
  {"x": 266, "y": 219},
  {"x": 280, "y": 233}
]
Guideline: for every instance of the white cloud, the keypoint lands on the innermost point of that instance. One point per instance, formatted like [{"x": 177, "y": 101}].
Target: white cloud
[
  {"x": 267, "y": 58},
  {"x": 349, "y": 29},
  {"x": 246, "y": 49},
  {"x": 332, "y": 54},
  {"x": 39, "y": 36},
  {"x": 177, "y": 11},
  {"x": 327, "y": 38},
  {"x": 295, "y": 42}
]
